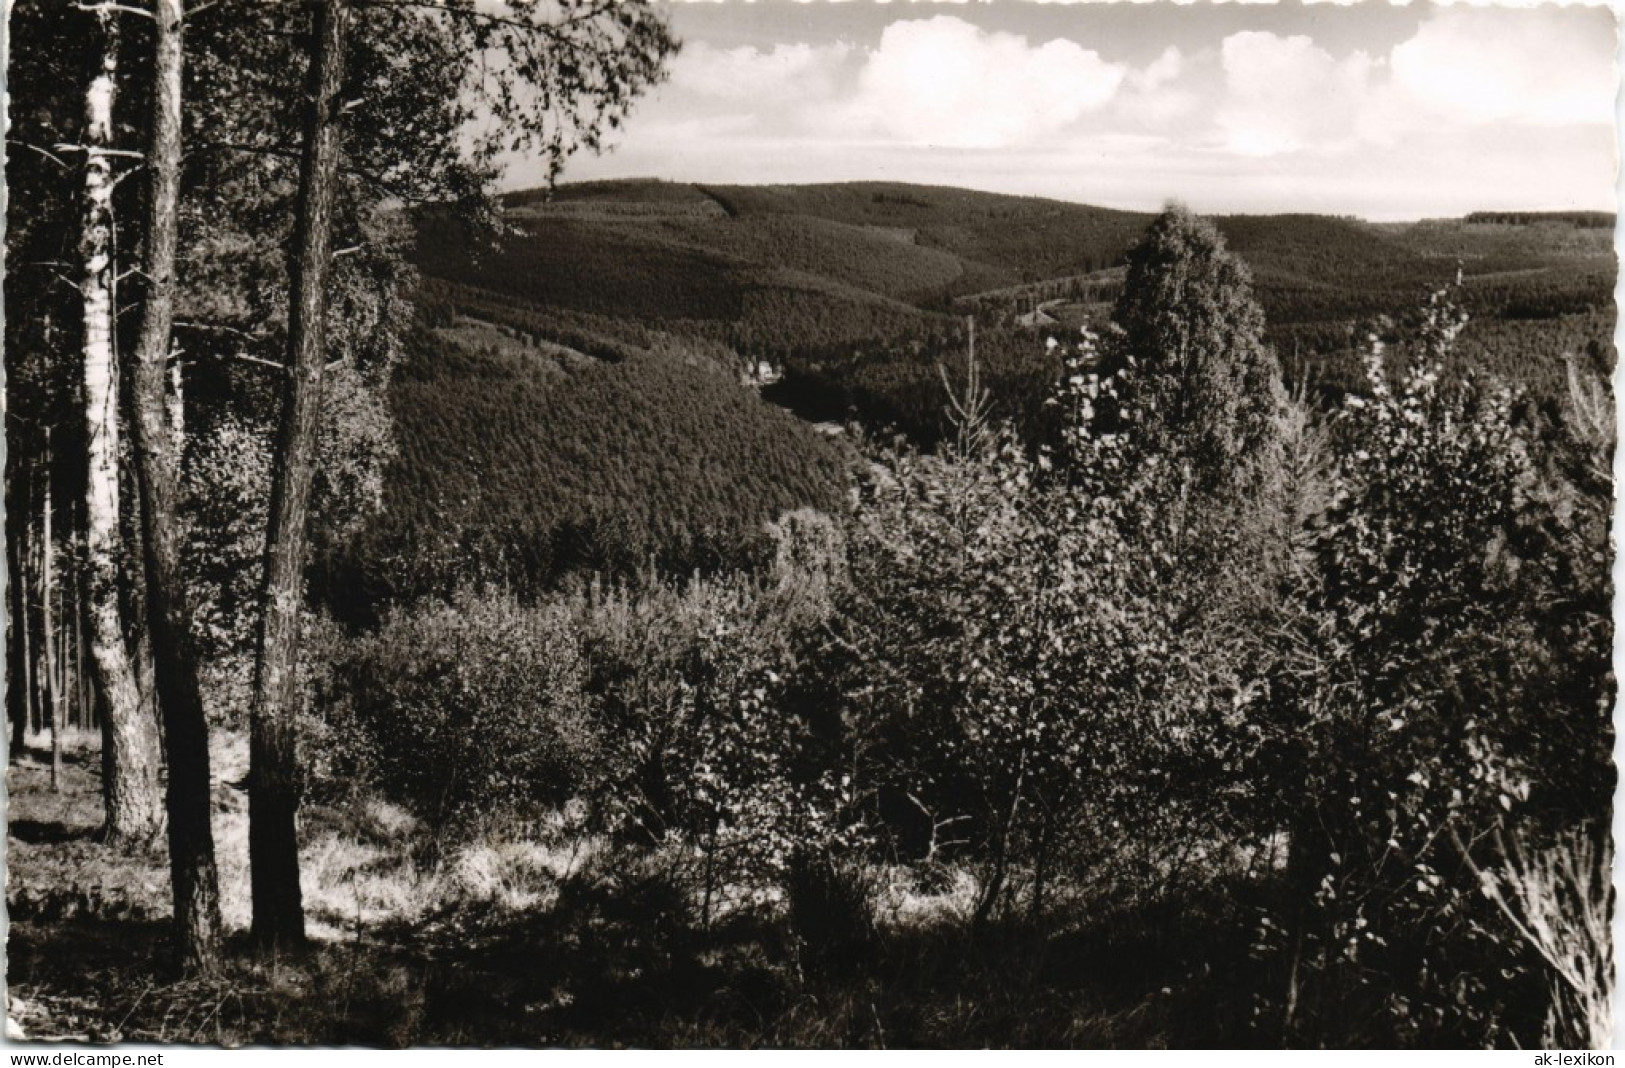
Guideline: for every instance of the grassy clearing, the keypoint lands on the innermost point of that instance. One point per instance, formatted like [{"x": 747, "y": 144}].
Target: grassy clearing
[{"x": 573, "y": 941}]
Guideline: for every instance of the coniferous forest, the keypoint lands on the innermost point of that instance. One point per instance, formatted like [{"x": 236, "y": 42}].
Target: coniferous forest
[{"x": 642, "y": 613}]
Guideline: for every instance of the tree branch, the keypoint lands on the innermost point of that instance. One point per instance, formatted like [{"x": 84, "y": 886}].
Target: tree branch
[
  {"x": 220, "y": 328},
  {"x": 53, "y": 157},
  {"x": 108, "y": 5},
  {"x": 118, "y": 152},
  {"x": 372, "y": 177},
  {"x": 551, "y": 30}
]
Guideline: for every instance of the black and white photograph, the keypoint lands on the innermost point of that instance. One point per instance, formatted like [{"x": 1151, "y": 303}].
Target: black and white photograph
[{"x": 706, "y": 524}]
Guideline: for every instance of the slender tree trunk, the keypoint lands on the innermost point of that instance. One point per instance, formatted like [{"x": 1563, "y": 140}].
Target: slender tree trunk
[
  {"x": 30, "y": 645},
  {"x": 16, "y": 616},
  {"x": 40, "y": 672},
  {"x": 274, "y": 779},
  {"x": 63, "y": 680},
  {"x": 84, "y": 706},
  {"x": 1041, "y": 870},
  {"x": 53, "y": 687},
  {"x": 131, "y": 788},
  {"x": 186, "y": 730},
  {"x": 994, "y": 890}
]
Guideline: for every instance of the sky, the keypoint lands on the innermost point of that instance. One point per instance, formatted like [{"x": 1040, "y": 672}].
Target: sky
[{"x": 1369, "y": 109}]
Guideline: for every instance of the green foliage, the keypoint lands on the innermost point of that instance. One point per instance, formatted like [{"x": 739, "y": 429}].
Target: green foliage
[
  {"x": 1528, "y": 354},
  {"x": 572, "y": 264},
  {"x": 1018, "y": 238},
  {"x": 602, "y": 337},
  {"x": 1412, "y": 713},
  {"x": 470, "y": 712},
  {"x": 1351, "y": 686},
  {"x": 232, "y": 414},
  {"x": 1205, "y": 388},
  {"x": 553, "y": 78},
  {"x": 1597, "y": 220},
  {"x": 841, "y": 286},
  {"x": 710, "y": 746},
  {"x": 520, "y": 469},
  {"x": 866, "y": 258},
  {"x": 701, "y": 284},
  {"x": 897, "y": 388}
]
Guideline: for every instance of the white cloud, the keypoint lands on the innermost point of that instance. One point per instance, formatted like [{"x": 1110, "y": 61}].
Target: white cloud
[
  {"x": 1498, "y": 66},
  {"x": 750, "y": 74},
  {"x": 1476, "y": 108},
  {"x": 1461, "y": 70},
  {"x": 943, "y": 81},
  {"x": 1285, "y": 94},
  {"x": 1162, "y": 70}
]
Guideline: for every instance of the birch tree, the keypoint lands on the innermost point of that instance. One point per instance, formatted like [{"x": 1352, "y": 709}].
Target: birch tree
[{"x": 131, "y": 788}]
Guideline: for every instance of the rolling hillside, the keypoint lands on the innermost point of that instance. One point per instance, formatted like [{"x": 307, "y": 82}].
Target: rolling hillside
[
  {"x": 523, "y": 461},
  {"x": 647, "y": 300},
  {"x": 787, "y": 270}
]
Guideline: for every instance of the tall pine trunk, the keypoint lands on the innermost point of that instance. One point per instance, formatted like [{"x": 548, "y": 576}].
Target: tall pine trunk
[
  {"x": 31, "y": 709},
  {"x": 274, "y": 778},
  {"x": 53, "y": 665},
  {"x": 84, "y": 705},
  {"x": 186, "y": 732},
  {"x": 16, "y": 609},
  {"x": 131, "y": 787}
]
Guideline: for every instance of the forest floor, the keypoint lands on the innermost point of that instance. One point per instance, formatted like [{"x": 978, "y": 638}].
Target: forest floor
[{"x": 569, "y": 942}]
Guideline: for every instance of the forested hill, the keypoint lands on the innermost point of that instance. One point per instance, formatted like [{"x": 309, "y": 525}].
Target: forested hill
[
  {"x": 650, "y": 300},
  {"x": 792, "y": 269},
  {"x": 523, "y": 460},
  {"x": 856, "y": 291}
]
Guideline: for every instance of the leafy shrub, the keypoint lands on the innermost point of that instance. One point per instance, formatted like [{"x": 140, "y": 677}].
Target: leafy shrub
[
  {"x": 1012, "y": 661},
  {"x": 1407, "y": 715},
  {"x": 717, "y": 737},
  {"x": 702, "y": 754},
  {"x": 469, "y": 712}
]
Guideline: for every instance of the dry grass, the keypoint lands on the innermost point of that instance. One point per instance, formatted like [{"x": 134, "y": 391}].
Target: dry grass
[
  {"x": 557, "y": 939},
  {"x": 1559, "y": 899}
]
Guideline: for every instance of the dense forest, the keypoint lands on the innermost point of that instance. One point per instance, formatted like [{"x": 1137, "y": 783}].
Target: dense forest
[
  {"x": 868, "y": 615},
  {"x": 518, "y": 468},
  {"x": 856, "y": 292}
]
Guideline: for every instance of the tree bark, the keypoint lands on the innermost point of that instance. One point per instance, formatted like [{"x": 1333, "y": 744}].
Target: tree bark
[
  {"x": 17, "y": 613},
  {"x": 194, "y": 879},
  {"x": 131, "y": 788},
  {"x": 274, "y": 779},
  {"x": 53, "y": 666},
  {"x": 84, "y": 707},
  {"x": 31, "y": 709},
  {"x": 82, "y": 672}
]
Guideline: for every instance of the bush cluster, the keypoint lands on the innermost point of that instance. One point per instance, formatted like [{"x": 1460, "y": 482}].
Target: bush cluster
[
  {"x": 470, "y": 712},
  {"x": 1183, "y": 633}
]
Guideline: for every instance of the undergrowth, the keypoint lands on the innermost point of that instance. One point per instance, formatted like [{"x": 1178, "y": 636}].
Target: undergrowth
[{"x": 572, "y": 940}]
